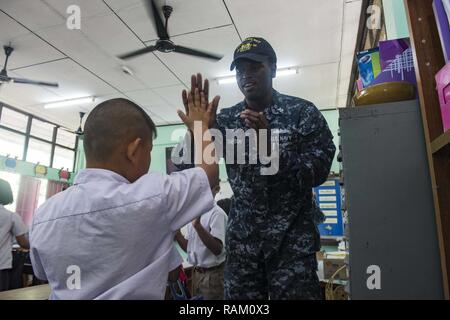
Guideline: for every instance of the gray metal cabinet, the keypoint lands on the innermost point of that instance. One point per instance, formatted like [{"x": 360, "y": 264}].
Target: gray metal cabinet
[{"x": 389, "y": 202}]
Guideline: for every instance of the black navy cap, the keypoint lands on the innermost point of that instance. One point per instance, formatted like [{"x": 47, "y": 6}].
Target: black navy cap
[{"x": 256, "y": 49}]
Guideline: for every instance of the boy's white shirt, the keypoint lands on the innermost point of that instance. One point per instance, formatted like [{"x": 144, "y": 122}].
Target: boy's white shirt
[
  {"x": 118, "y": 235},
  {"x": 215, "y": 222},
  {"x": 11, "y": 226}
]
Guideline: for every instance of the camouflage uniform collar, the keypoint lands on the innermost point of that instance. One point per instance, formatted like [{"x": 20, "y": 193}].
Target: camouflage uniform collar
[{"x": 278, "y": 104}]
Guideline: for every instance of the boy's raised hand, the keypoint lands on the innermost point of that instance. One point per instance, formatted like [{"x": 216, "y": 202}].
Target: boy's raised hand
[
  {"x": 197, "y": 110},
  {"x": 196, "y": 82}
]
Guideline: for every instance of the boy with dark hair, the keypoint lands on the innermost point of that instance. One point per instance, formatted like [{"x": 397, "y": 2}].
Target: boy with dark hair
[{"x": 110, "y": 235}]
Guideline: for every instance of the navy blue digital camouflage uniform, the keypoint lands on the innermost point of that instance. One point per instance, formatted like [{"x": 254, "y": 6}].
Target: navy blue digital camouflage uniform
[{"x": 272, "y": 234}]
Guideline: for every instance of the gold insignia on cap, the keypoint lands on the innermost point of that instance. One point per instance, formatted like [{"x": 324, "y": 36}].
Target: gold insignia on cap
[
  {"x": 252, "y": 40},
  {"x": 245, "y": 47},
  {"x": 248, "y": 44}
]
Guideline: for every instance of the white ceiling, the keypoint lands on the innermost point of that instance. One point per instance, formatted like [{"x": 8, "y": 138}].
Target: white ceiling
[{"x": 316, "y": 35}]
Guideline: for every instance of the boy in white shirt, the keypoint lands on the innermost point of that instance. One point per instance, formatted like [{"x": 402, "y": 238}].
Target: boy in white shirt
[
  {"x": 110, "y": 235},
  {"x": 11, "y": 226},
  {"x": 204, "y": 244}
]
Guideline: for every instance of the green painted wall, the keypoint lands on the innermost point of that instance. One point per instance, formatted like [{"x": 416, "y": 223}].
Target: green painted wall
[
  {"x": 170, "y": 136},
  {"x": 395, "y": 17},
  {"x": 332, "y": 117},
  {"x": 80, "y": 162}
]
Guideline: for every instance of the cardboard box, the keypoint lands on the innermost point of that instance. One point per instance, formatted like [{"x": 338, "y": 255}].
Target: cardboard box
[
  {"x": 443, "y": 88},
  {"x": 443, "y": 25},
  {"x": 334, "y": 261},
  {"x": 446, "y": 4},
  {"x": 320, "y": 255},
  {"x": 397, "y": 62},
  {"x": 330, "y": 266}
]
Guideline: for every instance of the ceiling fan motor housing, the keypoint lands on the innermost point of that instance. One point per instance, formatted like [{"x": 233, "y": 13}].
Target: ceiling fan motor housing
[
  {"x": 167, "y": 11},
  {"x": 165, "y": 46},
  {"x": 8, "y": 50}
]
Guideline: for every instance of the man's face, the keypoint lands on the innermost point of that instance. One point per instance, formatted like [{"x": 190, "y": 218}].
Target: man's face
[{"x": 254, "y": 78}]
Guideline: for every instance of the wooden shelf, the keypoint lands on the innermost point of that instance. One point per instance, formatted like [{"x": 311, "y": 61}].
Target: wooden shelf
[
  {"x": 428, "y": 60},
  {"x": 441, "y": 143}
]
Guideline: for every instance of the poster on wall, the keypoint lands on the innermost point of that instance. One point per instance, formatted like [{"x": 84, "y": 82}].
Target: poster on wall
[
  {"x": 328, "y": 198},
  {"x": 10, "y": 164},
  {"x": 40, "y": 170},
  {"x": 64, "y": 175}
]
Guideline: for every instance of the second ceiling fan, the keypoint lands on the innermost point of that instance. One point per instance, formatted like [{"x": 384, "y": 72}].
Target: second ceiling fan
[{"x": 164, "y": 44}]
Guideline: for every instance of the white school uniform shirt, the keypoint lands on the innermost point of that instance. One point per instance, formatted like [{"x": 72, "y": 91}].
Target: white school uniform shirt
[
  {"x": 11, "y": 226},
  {"x": 115, "y": 237},
  {"x": 198, "y": 254}
]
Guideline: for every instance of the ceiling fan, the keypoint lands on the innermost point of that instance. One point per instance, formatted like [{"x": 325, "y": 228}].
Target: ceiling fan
[
  {"x": 80, "y": 131},
  {"x": 4, "y": 78},
  {"x": 164, "y": 44}
]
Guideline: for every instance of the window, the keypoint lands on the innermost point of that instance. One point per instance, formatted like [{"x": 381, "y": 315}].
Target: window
[
  {"x": 14, "y": 181},
  {"x": 63, "y": 158},
  {"x": 14, "y": 134},
  {"x": 39, "y": 151},
  {"x": 65, "y": 138},
  {"x": 11, "y": 143},
  {"x": 42, "y": 130},
  {"x": 14, "y": 120}
]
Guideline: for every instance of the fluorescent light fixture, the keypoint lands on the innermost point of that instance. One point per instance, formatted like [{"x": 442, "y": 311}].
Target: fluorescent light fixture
[
  {"x": 227, "y": 80},
  {"x": 286, "y": 72},
  {"x": 280, "y": 73},
  {"x": 69, "y": 103}
]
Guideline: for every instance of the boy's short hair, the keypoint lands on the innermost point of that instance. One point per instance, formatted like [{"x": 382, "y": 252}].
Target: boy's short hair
[
  {"x": 112, "y": 123},
  {"x": 6, "y": 196}
]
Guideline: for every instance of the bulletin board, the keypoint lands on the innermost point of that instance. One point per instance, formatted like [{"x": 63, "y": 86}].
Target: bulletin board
[{"x": 328, "y": 198}]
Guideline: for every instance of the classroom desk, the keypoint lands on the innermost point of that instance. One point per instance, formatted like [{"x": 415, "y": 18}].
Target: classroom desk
[{"x": 41, "y": 292}]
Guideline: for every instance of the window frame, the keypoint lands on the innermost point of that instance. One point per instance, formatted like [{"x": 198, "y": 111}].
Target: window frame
[
  {"x": 16, "y": 132},
  {"x": 28, "y": 135},
  {"x": 15, "y": 110},
  {"x": 54, "y": 152}
]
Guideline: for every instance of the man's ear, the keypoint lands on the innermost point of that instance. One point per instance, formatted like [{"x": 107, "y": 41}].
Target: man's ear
[
  {"x": 132, "y": 149},
  {"x": 273, "y": 68}
]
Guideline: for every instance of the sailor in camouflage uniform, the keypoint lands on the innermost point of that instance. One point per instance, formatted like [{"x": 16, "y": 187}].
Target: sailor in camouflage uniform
[{"x": 272, "y": 233}]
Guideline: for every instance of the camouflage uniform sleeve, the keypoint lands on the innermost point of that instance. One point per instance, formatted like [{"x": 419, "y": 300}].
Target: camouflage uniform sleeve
[{"x": 312, "y": 162}]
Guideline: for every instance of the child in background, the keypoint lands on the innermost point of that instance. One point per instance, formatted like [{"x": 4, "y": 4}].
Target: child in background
[
  {"x": 204, "y": 244},
  {"x": 11, "y": 226}
]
